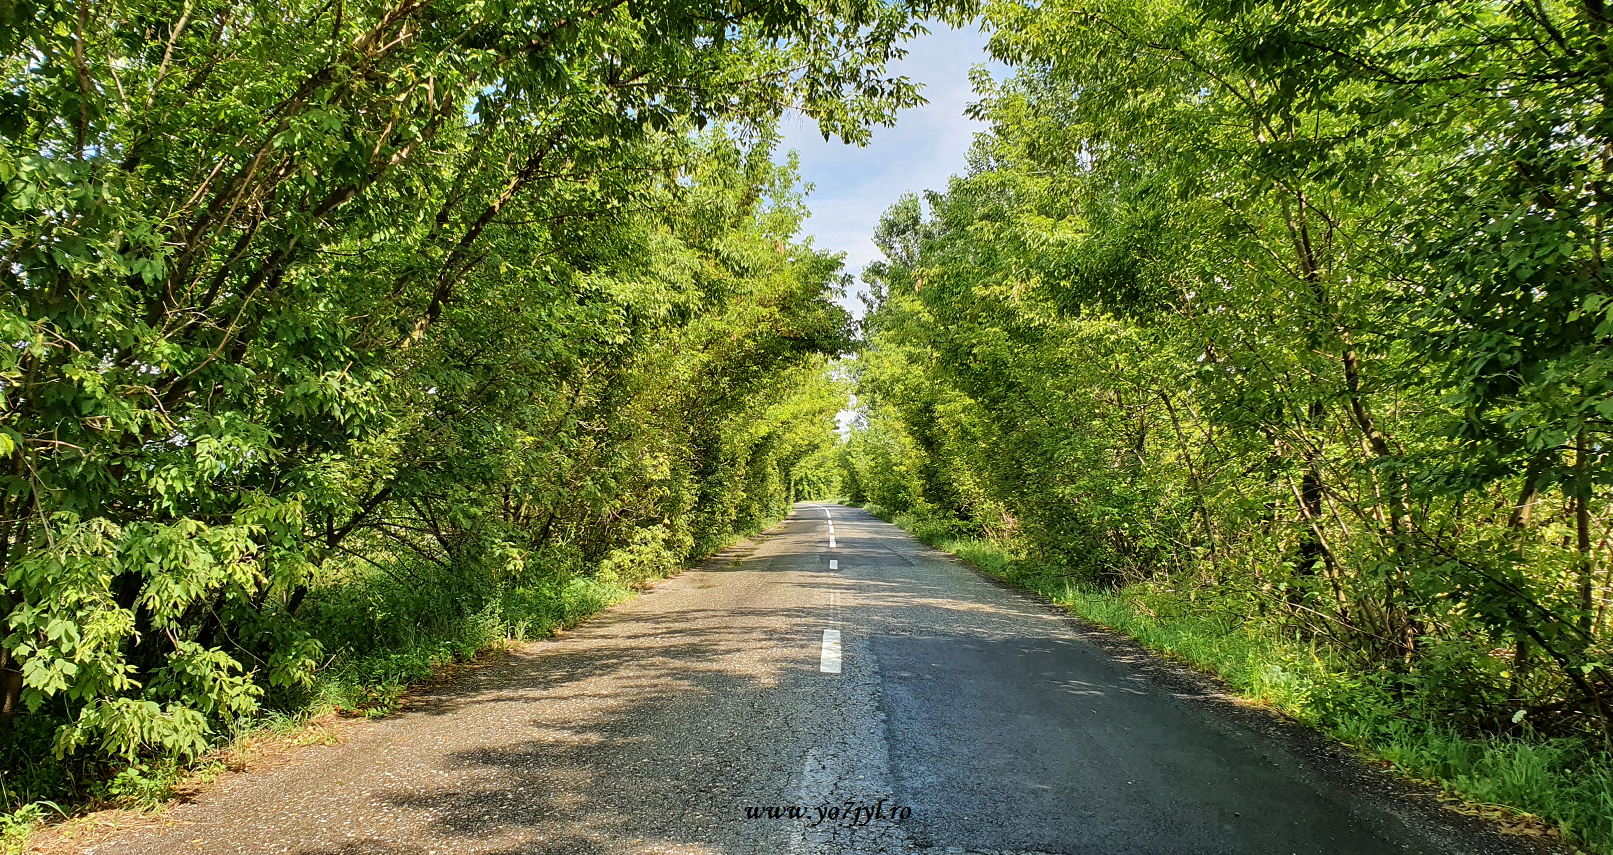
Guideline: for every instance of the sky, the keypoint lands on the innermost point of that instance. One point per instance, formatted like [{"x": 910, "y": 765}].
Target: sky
[{"x": 853, "y": 186}]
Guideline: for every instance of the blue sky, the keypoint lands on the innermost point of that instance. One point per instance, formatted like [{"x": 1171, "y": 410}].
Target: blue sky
[{"x": 853, "y": 186}]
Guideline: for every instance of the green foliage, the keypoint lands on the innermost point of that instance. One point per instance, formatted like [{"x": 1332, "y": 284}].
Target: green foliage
[
  {"x": 347, "y": 341},
  {"x": 393, "y": 636},
  {"x": 1298, "y": 311},
  {"x": 17, "y": 826}
]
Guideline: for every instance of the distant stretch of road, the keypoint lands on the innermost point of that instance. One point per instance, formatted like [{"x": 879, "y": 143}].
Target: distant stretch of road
[{"x": 832, "y": 686}]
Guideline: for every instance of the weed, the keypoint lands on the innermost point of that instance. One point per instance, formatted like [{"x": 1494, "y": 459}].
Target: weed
[{"x": 18, "y": 826}]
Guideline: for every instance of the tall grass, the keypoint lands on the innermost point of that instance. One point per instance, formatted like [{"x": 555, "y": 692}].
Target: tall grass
[
  {"x": 1564, "y": 782},
  {"x": 408, "y": 647}
]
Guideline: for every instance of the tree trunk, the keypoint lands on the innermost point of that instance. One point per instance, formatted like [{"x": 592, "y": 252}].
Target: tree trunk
[
  {"x": 1582, "y": 529},
  {"x": 10, "y": 691},
  {"x": 1518, "y": 520}
]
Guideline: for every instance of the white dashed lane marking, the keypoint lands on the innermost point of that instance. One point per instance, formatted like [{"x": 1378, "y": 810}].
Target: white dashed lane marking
[{"x": 829, "y": 660}]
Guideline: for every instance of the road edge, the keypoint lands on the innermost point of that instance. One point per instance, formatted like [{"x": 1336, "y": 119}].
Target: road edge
[{"x": 1419, "y": 803}]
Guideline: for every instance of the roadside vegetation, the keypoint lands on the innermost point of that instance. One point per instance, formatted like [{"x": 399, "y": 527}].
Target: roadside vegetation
[
  {"x": 1278, "y": 336},
  {"x": 346, "y": 340}
]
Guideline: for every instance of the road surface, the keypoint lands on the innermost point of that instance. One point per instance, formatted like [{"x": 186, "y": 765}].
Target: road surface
[{"x": 832, "y": 686}]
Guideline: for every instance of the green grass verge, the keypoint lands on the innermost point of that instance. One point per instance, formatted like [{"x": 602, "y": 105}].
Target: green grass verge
[
  {"x": 1563, "y": 782},
  {"x": 372, "y": 684}
]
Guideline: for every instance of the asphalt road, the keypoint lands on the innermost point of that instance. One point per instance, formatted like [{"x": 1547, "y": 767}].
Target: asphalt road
[{"x": 951, "y": 715}]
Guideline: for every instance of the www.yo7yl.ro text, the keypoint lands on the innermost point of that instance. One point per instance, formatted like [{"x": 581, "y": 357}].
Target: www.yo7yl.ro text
[{"x": 849, "y": 813}]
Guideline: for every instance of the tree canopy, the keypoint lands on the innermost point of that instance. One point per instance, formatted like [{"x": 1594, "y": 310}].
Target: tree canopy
[
  {"x": 457, "y": 294},
  {"x": 1305, "y": 305}
]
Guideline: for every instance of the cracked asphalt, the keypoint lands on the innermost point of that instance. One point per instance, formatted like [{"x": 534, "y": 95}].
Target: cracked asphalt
[{"x": 966, "y": 717}]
